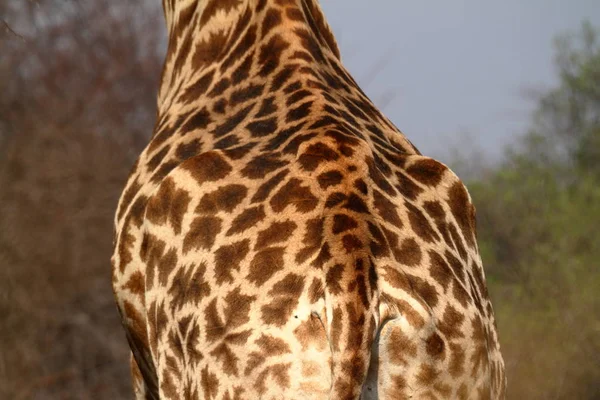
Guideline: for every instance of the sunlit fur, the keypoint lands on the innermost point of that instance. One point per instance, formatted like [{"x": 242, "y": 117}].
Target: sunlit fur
[{"x": 279, "y": 238}]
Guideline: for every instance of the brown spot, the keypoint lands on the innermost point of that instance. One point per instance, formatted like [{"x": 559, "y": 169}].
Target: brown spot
[
  {"x": 462, "y": 392},
  {"x": 439, "y": 270},
  {"x": 167, "y": 386},
  {"x": 420, "y": 225},
  {"x": 151, "y": 253},
  {"x": 265, "y": 264},
  {"x": 398, "y": 388},
  {"x": 356, "y": 204},
  {"x": 323, "y": 256},
  {"x": 435, "y": 346},
  {"x": 351, "y": 243},
  {"x": 228, "y": 258},
  {"x": 244, "y": 46},
  {"x": 243, "y": 95},
  {"x": 479, "y": 279},
  {"x": 236, "y": 313},
  {"x": 202, "y": 234},
  {"x": 294, "y": 193},
  {"x": 315, "y": 154},
  {"x": 286, "y": 294},
  {"x": 336, "y": 328},
  {"x": 386, "y": 209},
  {"x": 270, "y": 54},
  {"x": 164, "y": 170},
  {"x": 246, "y": 220},
  {"x": 138, "y": 209},
  {"x": 378, "y": 178},
  {"x": 427, "y": 375},
  {"x": 379, "y": 246},
  {"x": 136, "y": 283},
  {"x": 343, "y": 223},
  {"x": 463, "y": 211},
  {"x": 312, "y": 239},
  {"x": 392, "y": 239},
  {"x": 210, "y": 49},
  {"x": 409, "y": 252},
  {"x": 183, "y": 324},
  {"x": 228, "y": 359},
  {"x": 168, "y": 204},
  {"x": 457, "y": 240},
  {"x": 460, "y": 293},
  {"x": 359, "y": 284},
  {"x": 255, "y": 359},
  {"x": 272, "y": 346},
  {"x": 425, "y": 290},
  {"x": 220, "y": 106},
  {"x": 396, "y": 278},
  {"x": 262, "y": 127},
  {"x": 451, "y": 323},
  {"x": 225, "y": 198},
  {"x": 361, "y": 186},
  {"x": 334, "y": 199},
  {"x": 444, "y": 389},
  {"x": 157, "y": 322},
  {"x": 271, "y": 20},
  {"x": 226, "y": 143},
  {"x": 267, "y": 107},
  {"x": 198, "y": 88},
  {"x": 188, "y": 150},
  {"x": 189, "y": 286},
  {"x": 199, "y": 120},
  {"x": 265, "y": 189},
  {"x": 166, "y": 265},
  {"x": 280, "y": 374},
  {"x": 457, "y": 266},
  {"x": 210, "y": 384},
  {"x": 297, "y": 140},
  {"x": 276, "y": 233},
  {"x": 232, "y": 122},
  {"x": 298, "y": 113},
  {"x": 329, "y": 178},
  {"x": 427, "y": 171},
  {"x": 334, "y": 279},
  {"x": 480, "y": 357},
  {"x": 311, "y": 333},
  {"x": 220, "y": 87},
  {"x": 407, "y": 187},
  {"x": 298, "y": 96},
  {"x": 176, "y": 346},
  {"x": 457, "y": 360},
  {"x": 207, "y": 167},
  {"x": 435, "y": 210},
  {"x": 315, "y": 291},
  {"x": 127, "y": 198},
  {"x": 400, "y": 348},
  {"x": 136, "y": 324}
]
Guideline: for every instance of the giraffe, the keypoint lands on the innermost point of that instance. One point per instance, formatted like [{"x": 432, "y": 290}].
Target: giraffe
[{"x": 280, "y": 238}]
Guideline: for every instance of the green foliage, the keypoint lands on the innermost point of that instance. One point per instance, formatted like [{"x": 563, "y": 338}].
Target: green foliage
[{"x": 538, "y": 216}]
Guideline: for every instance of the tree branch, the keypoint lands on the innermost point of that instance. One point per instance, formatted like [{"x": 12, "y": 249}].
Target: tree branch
[{"x": 12, "y": 31}]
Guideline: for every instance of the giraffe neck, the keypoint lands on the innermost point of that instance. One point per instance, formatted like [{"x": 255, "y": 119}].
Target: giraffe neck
[{"x": 206, "y": 33}]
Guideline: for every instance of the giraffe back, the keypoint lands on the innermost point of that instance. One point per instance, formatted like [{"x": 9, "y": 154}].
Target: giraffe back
[{"x": 280, "y": 238}]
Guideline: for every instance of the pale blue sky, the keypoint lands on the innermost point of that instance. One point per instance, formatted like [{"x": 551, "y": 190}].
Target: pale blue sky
[{"x": 455, "y": 70}]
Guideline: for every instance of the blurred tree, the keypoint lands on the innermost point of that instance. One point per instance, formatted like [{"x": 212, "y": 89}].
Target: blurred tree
[
  {"x": 570, "y": 113},
  {"x": 538, "y": 216},
  {"x": 78, "y": 83}
]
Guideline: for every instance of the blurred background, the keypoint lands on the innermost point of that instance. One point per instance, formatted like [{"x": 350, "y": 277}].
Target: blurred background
[{"x": 507, "y": 94}]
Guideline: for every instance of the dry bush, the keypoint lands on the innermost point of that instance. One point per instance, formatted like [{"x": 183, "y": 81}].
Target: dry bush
[{"x": 77, "y": 102}]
